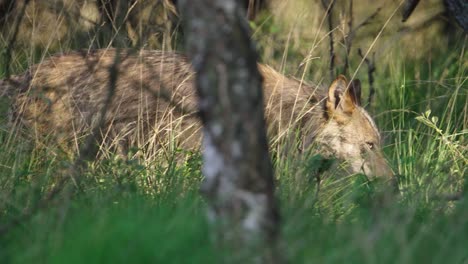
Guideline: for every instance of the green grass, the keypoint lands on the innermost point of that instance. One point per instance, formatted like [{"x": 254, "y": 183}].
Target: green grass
[
  {"x": 97, "y": 229},
  {"x": 150, "y": 211}
]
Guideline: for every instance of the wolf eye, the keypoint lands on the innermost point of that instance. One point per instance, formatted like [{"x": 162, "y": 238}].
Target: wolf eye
[{"x": 370, "y": 145}]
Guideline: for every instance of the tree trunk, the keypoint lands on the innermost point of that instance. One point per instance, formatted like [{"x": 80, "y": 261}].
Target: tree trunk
[{"x": 238, "y": 174}]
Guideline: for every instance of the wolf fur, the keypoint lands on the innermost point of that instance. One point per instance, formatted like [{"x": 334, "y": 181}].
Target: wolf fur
[{"x": 150, "y": 96}]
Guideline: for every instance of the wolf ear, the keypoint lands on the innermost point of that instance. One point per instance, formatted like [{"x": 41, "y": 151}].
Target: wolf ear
[
  {"x": 355, "y": 90},
  {"x": 340, "y": 99}
]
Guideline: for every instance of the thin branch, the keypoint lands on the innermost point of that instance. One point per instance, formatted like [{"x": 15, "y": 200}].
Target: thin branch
[
  {"x": 367, "y": 20},
  {"x": 86, "y": 151},
  {"x": 348, "y": 38},
  {"x": 329, "y": 7},
  {"x": 88, "y": 148},
  {"x": 370, "y": 74},
  {"x": 352, "y": 31}
]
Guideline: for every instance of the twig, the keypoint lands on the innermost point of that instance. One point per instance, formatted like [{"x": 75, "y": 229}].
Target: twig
[
  {"x": 348, "y": 38},
  {"x": 353, "y": 31},
  {"x": 85, "y": 152},
  {"x": 370, "y": 74},
  {"x": 329, "y": 7},
  {"x": 88, "y": 148},
  {"x": 367, "y": 20}
]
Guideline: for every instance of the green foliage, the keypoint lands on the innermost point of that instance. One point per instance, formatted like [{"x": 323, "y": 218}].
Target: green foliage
[
  {"x": 97, "y": 229},
  {"x": 147, "y": 210}
]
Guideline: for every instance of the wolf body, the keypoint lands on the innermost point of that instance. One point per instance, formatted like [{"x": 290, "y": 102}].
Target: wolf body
[{"x": 142, "y": 98}]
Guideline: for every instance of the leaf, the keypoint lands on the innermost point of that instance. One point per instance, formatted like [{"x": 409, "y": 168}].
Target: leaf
[{"x": 427, "y": 113}]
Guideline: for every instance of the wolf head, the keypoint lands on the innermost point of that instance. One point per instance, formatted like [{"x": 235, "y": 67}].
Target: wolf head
[{"x": 349, "y": 133}]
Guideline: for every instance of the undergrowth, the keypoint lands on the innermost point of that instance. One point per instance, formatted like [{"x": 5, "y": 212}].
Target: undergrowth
[{"x": 144, "y": 210}]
